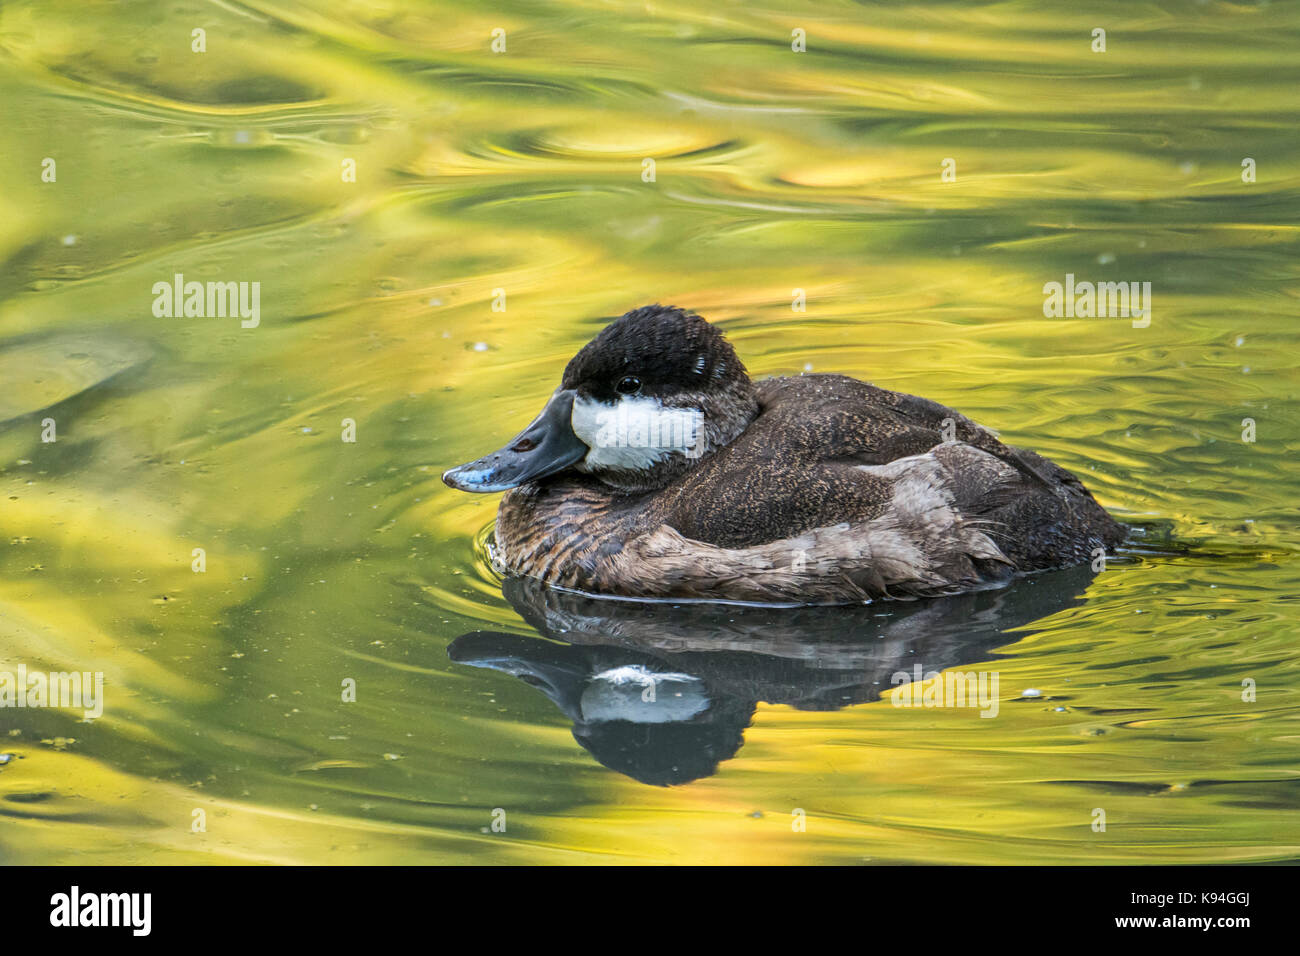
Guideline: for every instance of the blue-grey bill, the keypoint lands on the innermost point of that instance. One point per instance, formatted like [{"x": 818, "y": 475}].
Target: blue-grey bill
[{"x": 545, "y": 447}]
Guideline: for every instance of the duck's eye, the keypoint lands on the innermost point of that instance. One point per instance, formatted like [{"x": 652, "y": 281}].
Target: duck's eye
[{"x": 629, "y": 384}]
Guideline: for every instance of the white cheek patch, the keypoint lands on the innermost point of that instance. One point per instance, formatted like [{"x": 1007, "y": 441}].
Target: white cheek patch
[{"x": 634, "y": 432}]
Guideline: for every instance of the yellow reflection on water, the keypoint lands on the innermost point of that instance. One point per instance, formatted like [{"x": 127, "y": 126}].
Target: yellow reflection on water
[{"x": 482, "y": 176}]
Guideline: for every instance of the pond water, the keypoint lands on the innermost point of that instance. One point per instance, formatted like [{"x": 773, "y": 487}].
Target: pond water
[{"x": 435, "y": 227}]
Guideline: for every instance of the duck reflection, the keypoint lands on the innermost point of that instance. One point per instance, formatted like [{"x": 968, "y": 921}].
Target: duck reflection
[{"x": 663, "y": 692}]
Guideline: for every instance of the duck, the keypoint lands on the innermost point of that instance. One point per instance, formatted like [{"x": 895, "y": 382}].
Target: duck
[{"x": 659, "y": 470}]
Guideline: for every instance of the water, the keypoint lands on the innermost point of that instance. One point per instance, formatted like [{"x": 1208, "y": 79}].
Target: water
[{"x": 330, "y": 561}]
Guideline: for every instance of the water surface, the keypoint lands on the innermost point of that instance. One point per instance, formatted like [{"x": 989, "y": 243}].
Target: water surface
[{"x": 517, "y": 177}]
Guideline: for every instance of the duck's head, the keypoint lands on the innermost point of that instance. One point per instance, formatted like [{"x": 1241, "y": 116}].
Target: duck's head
[{"x": 656, "y": 391}]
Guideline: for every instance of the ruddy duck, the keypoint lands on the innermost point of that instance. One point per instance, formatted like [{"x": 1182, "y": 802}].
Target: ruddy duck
[{"x": 658, "y": 469}]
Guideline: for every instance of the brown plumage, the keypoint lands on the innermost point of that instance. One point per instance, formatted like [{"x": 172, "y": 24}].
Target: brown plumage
[{"x": 818, "y": 489}]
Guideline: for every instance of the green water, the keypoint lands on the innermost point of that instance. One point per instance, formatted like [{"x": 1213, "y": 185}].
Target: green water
[{"x": 520, "y": 175}]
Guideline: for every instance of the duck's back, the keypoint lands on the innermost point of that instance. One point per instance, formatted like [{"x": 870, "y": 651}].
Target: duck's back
[{"x": 899, "y": 494}]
